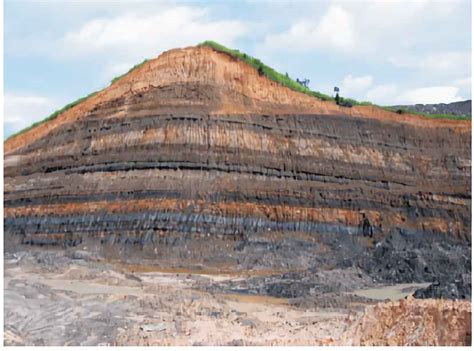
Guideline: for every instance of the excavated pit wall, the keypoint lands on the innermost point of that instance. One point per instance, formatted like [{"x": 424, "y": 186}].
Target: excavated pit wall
[
  {"x": 137, "y": 178},
  {"x": 189, "y": 167}
]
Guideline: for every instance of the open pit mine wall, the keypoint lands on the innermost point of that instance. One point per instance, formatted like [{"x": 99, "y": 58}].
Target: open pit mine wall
[{"x": 142, "y": 177}]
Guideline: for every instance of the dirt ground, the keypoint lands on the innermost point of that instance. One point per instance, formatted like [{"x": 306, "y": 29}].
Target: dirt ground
[{"x": 53, "y": 298}]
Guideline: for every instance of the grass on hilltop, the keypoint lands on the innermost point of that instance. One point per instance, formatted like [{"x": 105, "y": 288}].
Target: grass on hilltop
[{"x": 267, "y": 71}]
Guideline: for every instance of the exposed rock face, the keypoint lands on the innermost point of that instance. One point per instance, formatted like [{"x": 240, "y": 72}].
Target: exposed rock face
[
  {"x": 459, "y": 108},
  {"x": 194, "y": 148},
  {"x": 412, "y": 322}
]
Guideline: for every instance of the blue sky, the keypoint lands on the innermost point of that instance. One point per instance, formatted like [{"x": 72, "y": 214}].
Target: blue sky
[{"x": 387, "y": 52}]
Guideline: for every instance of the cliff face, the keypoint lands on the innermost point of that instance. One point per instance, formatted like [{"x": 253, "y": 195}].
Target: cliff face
[{"x": 195, "y": 147}]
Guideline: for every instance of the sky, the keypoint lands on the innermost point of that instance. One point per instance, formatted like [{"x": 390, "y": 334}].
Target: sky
[{"x": 386, "y": 52}]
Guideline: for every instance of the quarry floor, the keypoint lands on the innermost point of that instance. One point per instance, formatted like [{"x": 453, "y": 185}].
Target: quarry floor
[{"x": 51, "y": 298}]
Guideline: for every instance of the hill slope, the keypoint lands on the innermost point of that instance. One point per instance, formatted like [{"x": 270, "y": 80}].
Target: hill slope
[
  {"x": 196, "y": 158},
  {"x": 260, "y": 87}
]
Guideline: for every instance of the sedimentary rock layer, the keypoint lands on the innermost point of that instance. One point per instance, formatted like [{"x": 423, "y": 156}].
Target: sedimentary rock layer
[{"x": 196, "y": 144}]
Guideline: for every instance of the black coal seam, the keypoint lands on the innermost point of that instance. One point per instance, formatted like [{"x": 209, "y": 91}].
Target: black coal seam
[
  {"x": 357, "y": 205},
  {"x": 295, "y": 188},
  {"x": 166, "y": 221},
  {"x": 178, "y": 222}
]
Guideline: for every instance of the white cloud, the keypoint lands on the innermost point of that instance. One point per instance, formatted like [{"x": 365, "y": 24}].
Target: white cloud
[
  {"x": 463, "y": 82},
  {"x": 370, "y": 29},
  {"x": 382, "y": 94},
  {"x": 391, "y": 94},
  {"x": 431, "y": 95},
  {"x": 356, "y": 86},
  {"x": 134, "y": 36},
  {"x": 20, "y": 111},
  {"x": 336, "y": 21},
  {"x": 334, "y": 31},
  {"x": 402, "y": 38},
  {"x": 123, "y": 40},
  {"x": 440, "y": 63}
]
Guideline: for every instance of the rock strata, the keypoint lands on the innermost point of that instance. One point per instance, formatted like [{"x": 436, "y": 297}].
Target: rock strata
[{"x": 195, "y": 155}]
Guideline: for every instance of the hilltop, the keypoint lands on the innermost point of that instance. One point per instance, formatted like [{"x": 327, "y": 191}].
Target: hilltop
[{"x": 246, "y": 78}]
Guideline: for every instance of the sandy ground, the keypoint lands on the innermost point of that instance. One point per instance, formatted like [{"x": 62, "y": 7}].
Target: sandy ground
[{"x": 51, "y": 299}]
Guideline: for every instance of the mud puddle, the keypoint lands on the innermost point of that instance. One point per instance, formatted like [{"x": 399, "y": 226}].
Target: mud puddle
[
  {"x": 224, "y": 271},
  {"x": 391, "y": 292}
]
